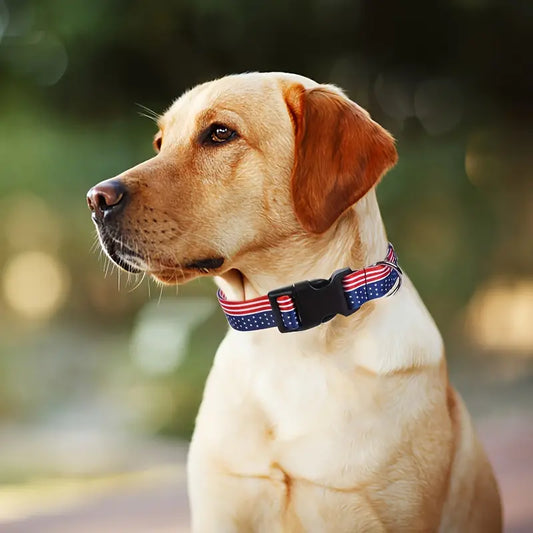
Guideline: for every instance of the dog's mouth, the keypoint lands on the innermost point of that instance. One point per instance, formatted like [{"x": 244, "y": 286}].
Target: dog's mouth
[
  {"x": 122, "y": 255},
  {"x": 206, "y": 265},
  {"x": 132, "y": 260}
]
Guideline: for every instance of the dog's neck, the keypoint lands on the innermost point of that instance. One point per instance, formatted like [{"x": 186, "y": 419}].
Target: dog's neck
[
  {"x": 367, "y": 338},
  {"x": 357, "y": 240}
]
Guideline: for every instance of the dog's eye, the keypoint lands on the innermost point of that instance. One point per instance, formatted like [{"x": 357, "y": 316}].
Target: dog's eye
[
  {"x": 220, "y": 133},
  {"x": 158, "y": 139}
]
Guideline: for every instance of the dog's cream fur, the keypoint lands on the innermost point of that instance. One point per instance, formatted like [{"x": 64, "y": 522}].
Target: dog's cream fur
[{"x": 348, "y": 427}]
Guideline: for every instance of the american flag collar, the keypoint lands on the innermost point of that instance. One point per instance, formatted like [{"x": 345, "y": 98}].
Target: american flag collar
[{"x": 310, "y": 303}]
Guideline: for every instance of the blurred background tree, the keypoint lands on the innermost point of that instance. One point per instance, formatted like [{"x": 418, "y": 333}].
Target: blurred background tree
[{"x": 450, "y": 79}]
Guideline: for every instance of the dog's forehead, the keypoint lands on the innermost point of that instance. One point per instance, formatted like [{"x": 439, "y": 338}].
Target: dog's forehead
[{"x": 242, "y": 93}]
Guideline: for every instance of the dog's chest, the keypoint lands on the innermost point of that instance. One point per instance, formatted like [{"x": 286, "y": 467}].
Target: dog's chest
[{"x": 318, "y": 418}]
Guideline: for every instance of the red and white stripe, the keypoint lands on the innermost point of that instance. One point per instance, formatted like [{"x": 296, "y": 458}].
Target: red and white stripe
[
  {"x": 256, "y": 305},
  {"x": 364, "y": 276},
  {"x": 368, "y": 275}
]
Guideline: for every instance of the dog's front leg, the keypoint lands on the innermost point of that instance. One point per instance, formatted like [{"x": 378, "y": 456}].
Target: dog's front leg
[{"x": 230, "y": 503}]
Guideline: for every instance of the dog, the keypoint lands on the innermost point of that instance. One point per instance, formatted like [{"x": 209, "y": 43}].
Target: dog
[{"x": 331, "y": 420}]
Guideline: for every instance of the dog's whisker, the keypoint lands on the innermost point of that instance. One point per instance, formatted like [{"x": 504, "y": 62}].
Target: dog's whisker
[
  {"x": 107, "y": 264},
  {"x": 148, "y": 113},
  {"x": 94, "y": 246},
  {"x": 138, "y": 284},
  {"x": 141, "y": 114}
]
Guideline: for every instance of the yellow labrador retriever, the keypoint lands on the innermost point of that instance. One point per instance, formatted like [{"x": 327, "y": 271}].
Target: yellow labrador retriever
[{"x": 315, "y": 418}]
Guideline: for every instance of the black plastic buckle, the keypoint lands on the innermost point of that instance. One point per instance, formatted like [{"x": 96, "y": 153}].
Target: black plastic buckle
[{"x": 316, "y": 301}]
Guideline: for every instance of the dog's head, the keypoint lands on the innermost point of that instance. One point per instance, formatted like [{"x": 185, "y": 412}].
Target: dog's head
[{"x": 242, "y": 163}]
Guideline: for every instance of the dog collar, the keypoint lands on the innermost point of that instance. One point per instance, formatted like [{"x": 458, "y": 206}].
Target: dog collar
[{"x": 307, "y": 304}]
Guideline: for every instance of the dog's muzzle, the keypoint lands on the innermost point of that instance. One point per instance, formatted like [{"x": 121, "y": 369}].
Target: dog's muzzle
[{"x": 106, "y": 201}]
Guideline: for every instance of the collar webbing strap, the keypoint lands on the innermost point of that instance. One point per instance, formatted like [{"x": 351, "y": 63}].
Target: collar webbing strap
[{"x": 309, "y": 303}]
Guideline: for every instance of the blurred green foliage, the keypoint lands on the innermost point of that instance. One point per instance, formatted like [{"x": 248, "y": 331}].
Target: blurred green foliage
[{"x": 447, "y": 78}]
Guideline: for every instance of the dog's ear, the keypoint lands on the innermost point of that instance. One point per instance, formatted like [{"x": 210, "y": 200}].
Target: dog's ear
[{"x": 340, "y": 154}]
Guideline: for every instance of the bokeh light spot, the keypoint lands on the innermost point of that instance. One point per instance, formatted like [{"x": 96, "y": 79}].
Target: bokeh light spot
[
  {"x": 439, "y": 105},
  {"x": 500, "y": 315},
  {"x": 30, "y": 224},
  {"x": 484, "y": 163},
  {"x": 35, "y": 284},
  {"x": 41, "y": 56},
  {"x": 394, "y": 93},
  {"x": 162, "y": 331}
]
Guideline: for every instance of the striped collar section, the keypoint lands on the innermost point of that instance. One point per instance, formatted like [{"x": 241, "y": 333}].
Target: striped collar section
[{"x": 307, "y": 304}]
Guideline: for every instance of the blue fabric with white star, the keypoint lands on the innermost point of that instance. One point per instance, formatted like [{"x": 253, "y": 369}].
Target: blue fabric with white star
[{"x": 263, "y": 320}]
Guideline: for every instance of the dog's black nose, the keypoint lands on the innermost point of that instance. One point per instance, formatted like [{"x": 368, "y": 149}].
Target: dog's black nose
[{"x": 106, "y": 197}]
